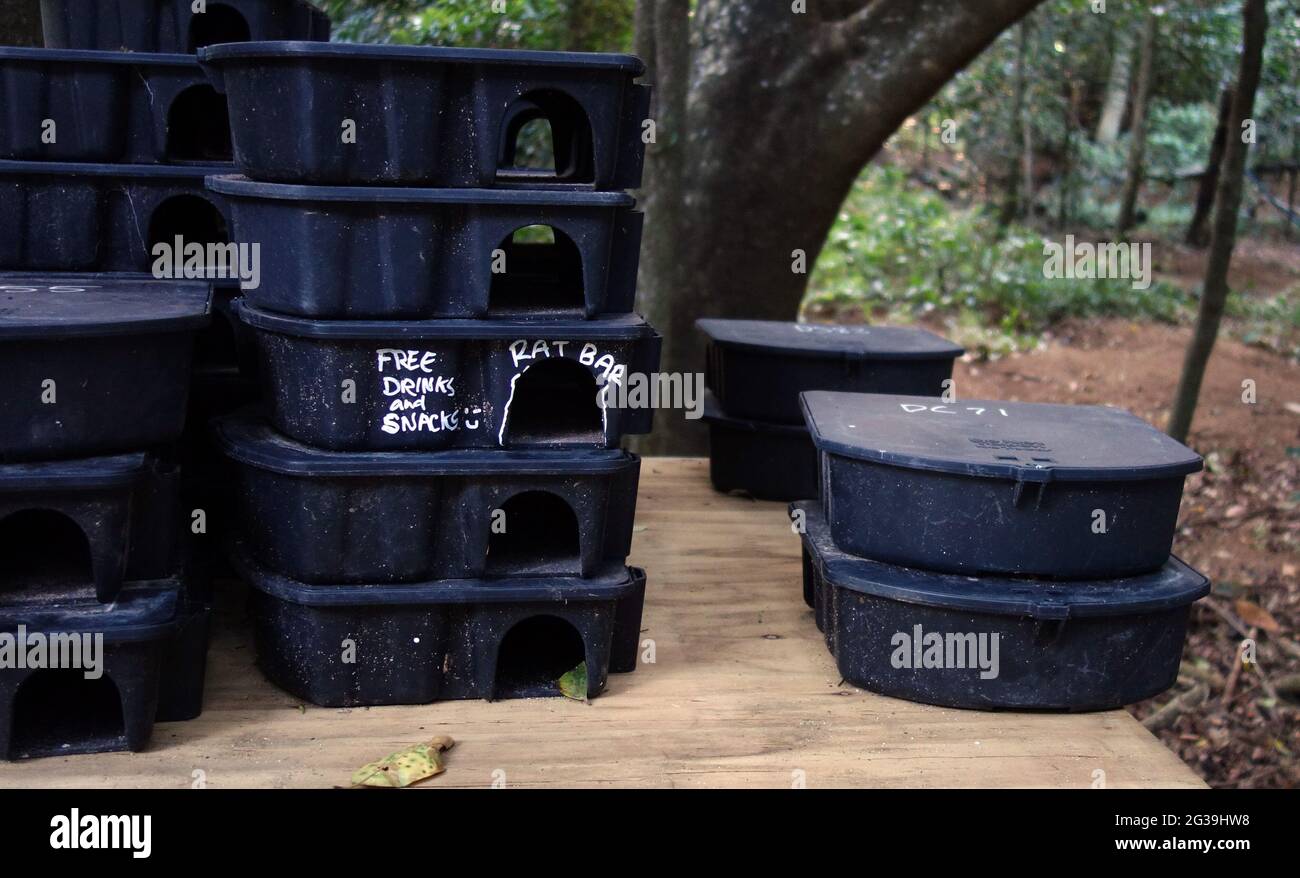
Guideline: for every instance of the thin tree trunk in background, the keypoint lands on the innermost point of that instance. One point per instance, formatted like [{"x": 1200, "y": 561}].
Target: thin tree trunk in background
[
  {"x": 20, "y": 23},
  {"x": 1289, "y": 225},
  {"x": 1121, "y": 72},
  {"x": 1290, "y": 204},
  {"x": 1064, "y": 215},
  {"x": 1223, "y": 238},
  {"x": 925, "y": 142},
  {"x": 1027, "y": 187},
  {"x": 1196, "y": 232},
  {"x": 1141, "y": 110},
  {"x": 1022, "y": 136}
]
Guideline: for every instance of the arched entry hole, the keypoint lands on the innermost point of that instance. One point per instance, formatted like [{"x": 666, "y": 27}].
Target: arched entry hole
[
  {"x": 546, "y": 137},
  {"x": 195, "y": 219},
  {"x": 220, "y": 24},
  {"x": 534, "y": 655},
  {"x": 198, "y": 126},
  {"x": 60, "y": 711},
  {"x": 44, "y": 558},
  {"x": 554, "y": 401},
  {"x": 534, "y": 533},
  {"x": 542, "y": 274}
]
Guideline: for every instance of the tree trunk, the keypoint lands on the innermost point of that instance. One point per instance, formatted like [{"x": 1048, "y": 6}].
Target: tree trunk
[
  {"x": 1027, "y": 189},
  {"x": 1071, "y": 122},
  {"x": 1288, "y": 227},
  {"x": 1223, "y": 238},
  {"x": 1019, "y": 180},
  {"x": 925, "y": 142},
  {"x": 20, "y": 23},
  {"x": 1196, "y": 233},
  {"x": 1121, "y": 72},
  {"x": 763, "y": 124},
  {"x": 1138, "y": 150}
]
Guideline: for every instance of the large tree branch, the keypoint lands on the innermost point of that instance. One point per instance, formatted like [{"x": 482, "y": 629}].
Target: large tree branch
[{"x": 784, "y": 110}]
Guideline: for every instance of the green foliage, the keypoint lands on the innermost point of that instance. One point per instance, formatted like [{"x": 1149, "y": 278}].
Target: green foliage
[
  {"x": 579, "y": 25},
  {"x": 902, "y": 253},
  {"x": 1069, "y": 58},
  {"x": 1268, "y": 322},
  {"x": 1180, "y": 137}
]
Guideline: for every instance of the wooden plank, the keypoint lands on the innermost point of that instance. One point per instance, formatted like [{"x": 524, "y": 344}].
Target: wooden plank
[{"x": 741, "y": 693}]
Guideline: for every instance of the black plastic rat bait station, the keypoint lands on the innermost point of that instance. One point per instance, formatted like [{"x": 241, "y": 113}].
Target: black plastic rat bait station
[
  {"x": 443, "y": 320},
  {"x": 766, "y": 461},
  {"x": 175, "y": 25},
  {"x": 407, "y": 254},
  {"x": 442, "y": 384},
  {"x": 996, "y": 643},
  {"x": 101, "y": 630},
  {"x": 994, "y": 554},
  {"x": 756, "y": 369},
  {"x": 445, "y": 640},
  {"x": 60, "y": 216},
  {"x": 83, "y": 678},
  {"x": 109, "y": 134},
  {"x": 1025, "y": 489},
  {"x": 106, "y": 107},
  {"x": 94, "y": 365},
  {"x": 84, "y": 527},
  {"x": 444, "y": 117},
  {"x": 331, "y": 517}
]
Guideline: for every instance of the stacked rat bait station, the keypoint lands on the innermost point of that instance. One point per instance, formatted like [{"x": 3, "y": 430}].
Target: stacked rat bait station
[
  {"x": 756, "y": 369},
  {"x": 995, "y": 554},
  {"x": 434, "y": 502},
  {"x": 108, "y": 135}
]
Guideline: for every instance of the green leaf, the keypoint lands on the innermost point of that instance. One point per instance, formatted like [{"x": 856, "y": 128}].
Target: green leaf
[{"x": 574, "y": 683}]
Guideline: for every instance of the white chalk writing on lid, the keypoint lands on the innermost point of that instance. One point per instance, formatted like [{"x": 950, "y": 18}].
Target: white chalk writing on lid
[
  {"x": 421, "y": 399},
  {"x": 605, "y": 366},
  {"x": 913, "y": 408}
]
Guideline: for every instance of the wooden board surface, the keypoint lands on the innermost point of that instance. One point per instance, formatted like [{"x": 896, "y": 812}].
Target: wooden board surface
[{"x": 742, "y": 692}]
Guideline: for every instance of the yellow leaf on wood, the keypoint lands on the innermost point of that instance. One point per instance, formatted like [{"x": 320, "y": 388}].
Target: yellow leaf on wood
[{"x": 405, "y": 767}]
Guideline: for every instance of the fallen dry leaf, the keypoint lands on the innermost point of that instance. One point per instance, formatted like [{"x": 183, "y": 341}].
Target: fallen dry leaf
[
  {"x": 405, "y": 767},
  {"x": 1256, "y": 616}
]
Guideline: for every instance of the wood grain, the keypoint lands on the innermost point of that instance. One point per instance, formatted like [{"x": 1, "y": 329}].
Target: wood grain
[{"x": 742, "y": 692}]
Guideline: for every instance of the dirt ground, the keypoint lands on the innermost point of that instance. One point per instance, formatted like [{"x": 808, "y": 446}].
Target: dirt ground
[{"x": 1237, "y": 724}]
